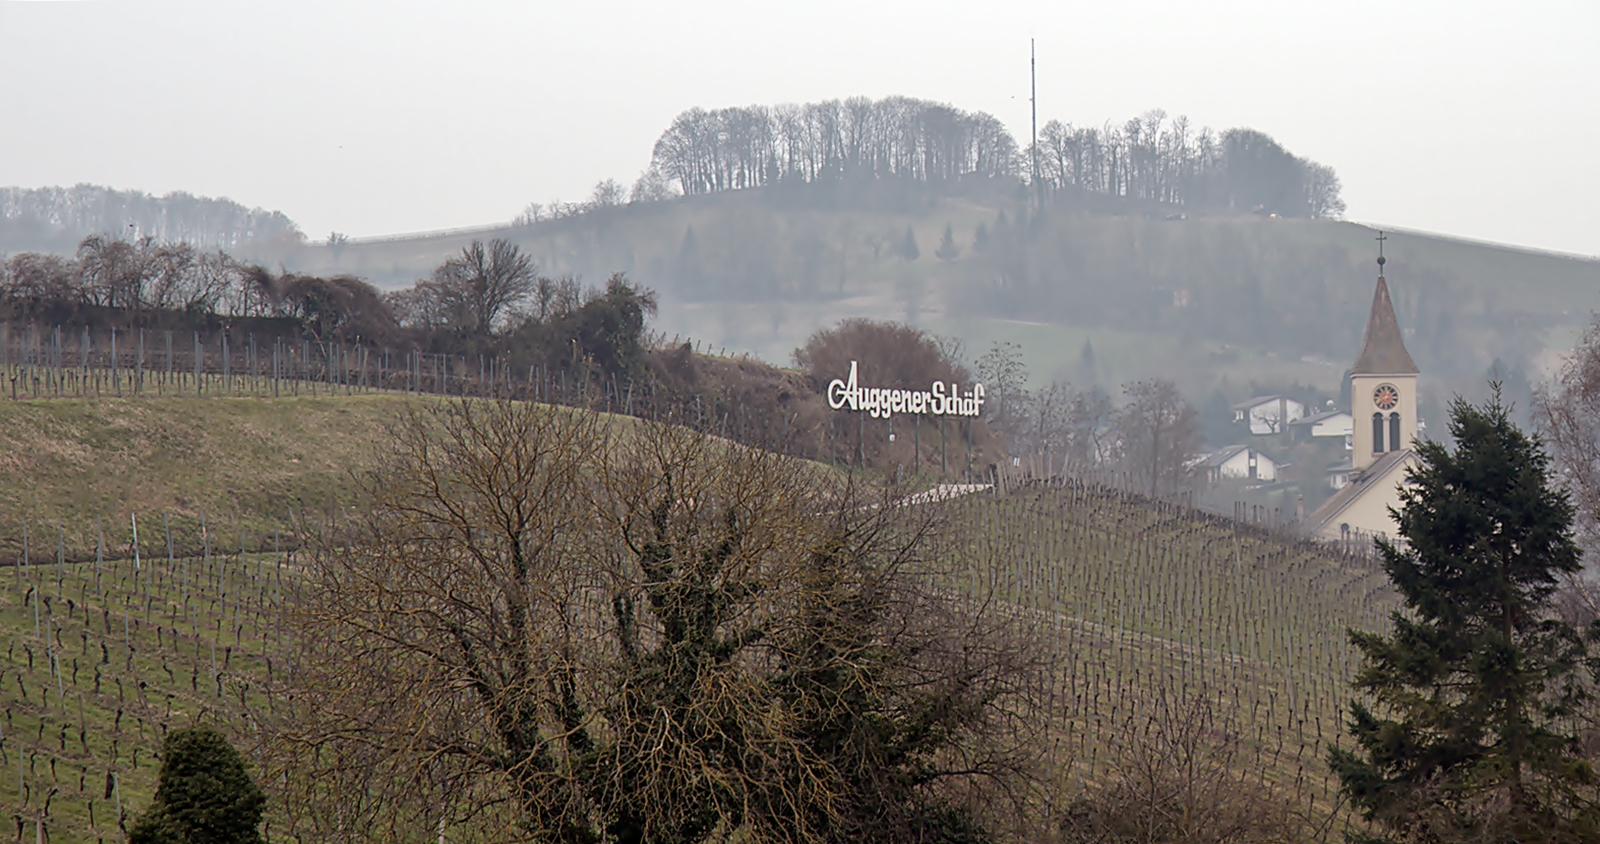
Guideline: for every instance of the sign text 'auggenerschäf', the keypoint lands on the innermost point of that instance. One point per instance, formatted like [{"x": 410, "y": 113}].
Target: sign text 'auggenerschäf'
[{"x": 943, "y": 400}]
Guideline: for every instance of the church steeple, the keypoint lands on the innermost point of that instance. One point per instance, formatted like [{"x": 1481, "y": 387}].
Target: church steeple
[
  {"x": 1382, "y": 382},
  {"x": 1383, "y": 351}
]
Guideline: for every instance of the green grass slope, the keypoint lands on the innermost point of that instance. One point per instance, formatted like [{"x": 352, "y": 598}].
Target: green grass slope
[{"x": 245, "y": 463}]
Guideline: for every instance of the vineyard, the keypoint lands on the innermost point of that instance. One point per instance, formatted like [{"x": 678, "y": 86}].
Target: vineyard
[
  {"x": 105, "y": 656},
  {"x": 1139, "y": 602},
  {"x": 1144, "y": 603}
]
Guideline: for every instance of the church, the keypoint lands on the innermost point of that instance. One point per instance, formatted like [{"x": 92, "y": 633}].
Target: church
[{"x": 1383, "y": 404}]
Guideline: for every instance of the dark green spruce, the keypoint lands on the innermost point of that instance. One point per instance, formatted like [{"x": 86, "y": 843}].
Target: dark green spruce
[
  {"x": 1470, "y": 738},
  {"x": 205, "y": 795}
]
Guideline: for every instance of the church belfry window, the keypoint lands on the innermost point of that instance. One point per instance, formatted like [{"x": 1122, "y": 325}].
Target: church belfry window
[
  {"x": 1377, "y": 433},
  {"x": 1394, "y": 432}
]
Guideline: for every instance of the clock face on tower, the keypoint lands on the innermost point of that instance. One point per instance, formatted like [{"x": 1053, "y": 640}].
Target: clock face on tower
[{"x": 1386, "y": 396}]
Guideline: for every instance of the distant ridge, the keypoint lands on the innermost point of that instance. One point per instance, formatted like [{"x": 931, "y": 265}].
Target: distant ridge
[{"x": 1478, "y": 241}]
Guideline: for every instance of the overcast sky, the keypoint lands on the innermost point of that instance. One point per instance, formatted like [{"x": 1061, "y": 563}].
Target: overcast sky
[{"x": 1466, "y": 118}]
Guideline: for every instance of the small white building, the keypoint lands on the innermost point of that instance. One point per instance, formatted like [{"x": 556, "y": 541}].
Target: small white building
[
  {"x": 1239, "y": 462},
  {"x": 1331, "y": 423},
  {"x": 1339, "y": 474},
  {"x": 1268, "y": 414}
]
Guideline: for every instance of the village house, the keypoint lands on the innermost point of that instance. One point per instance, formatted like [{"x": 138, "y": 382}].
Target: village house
[
  {"x": 1268, "y": 414},
  {"x": 1239, "y": 462}
]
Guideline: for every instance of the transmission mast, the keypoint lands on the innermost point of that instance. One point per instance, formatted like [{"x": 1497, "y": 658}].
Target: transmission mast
[{"x": 1033, "y": 102}]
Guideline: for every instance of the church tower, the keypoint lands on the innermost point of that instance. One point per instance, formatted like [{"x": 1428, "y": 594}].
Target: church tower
[{"x": 1383, "y": 384}]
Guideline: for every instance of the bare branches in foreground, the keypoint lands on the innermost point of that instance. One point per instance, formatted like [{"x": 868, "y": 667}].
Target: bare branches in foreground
[{"x": 561, "y": 627}]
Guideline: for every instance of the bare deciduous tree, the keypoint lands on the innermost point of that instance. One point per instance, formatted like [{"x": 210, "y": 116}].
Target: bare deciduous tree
[
  {"x": 484, "y": 282},
  {"x": 1158, "y": 436},
  {"x": 1568, "y": 415},
  {"x": 1005, "y": 377},
  {"x": 582, "y": 633}
]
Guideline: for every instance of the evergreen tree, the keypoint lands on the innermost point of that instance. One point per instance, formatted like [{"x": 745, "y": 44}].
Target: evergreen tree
[
  {"x": 980, "y": 238},
  {"x": 1477, "y": 677},
  {"x": 205, "y": 795},
  {"x": 948, "y": 250},
  {"x": 908, "y": 247}
]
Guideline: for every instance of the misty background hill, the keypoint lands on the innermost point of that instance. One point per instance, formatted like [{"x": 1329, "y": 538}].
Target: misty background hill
[{"x": 1112, "y": 253}]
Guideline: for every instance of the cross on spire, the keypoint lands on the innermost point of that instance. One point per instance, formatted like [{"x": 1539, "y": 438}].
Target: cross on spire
[{"x": 1381, "y": 261}]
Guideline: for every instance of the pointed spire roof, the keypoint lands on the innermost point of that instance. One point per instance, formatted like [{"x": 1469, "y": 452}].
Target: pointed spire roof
[{"x": 1383, "y": 352}]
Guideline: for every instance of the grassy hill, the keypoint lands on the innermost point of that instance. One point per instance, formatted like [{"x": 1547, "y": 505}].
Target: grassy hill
[
  {"x": 1201, "y": 298},
  {"x": 244, "y": 463},
  {"x": 1139, "y": 602}
]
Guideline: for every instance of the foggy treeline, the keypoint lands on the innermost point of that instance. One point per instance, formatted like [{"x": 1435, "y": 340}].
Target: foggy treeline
[
  {"x": 896, "y": 137},
  {"x": 61, "y": 216},
  {"x": 1154, "y": 158},
  {"x": 1149, "y": 157}
]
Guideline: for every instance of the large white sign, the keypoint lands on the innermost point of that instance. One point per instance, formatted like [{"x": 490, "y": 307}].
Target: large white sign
[{"x": 943, "y": 400}]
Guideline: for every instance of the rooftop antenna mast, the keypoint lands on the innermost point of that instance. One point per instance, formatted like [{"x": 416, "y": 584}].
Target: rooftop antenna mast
[
  {"x": 1033, "y": 102},
  {"x": 1381, "y": 260}
]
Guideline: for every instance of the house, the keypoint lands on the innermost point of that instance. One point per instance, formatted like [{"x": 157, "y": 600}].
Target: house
[
  {"x": 1330, "y": 423},
  {"x": 1237, "y": 462},
  {"x": 1338, "y": 474},
  {"x": 1383, "y": 389},
  {"x": 1268, "y": 414}
]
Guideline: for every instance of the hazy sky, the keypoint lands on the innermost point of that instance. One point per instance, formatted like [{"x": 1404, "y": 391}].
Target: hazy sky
[{"x": 1468, "y": 118}]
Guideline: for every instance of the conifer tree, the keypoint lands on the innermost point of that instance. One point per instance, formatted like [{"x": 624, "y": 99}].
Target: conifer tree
[
  {"x": 1475, "y": 684},
  {"x": 908, "y": 246},
  {"x": 205, "y": 795},
  {"x": 948, "y": 250}
]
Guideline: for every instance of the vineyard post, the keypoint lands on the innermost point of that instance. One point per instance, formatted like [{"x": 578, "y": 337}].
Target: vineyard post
[
  {"x": 116, "y": 374},
  {"x": 199, "y": 355},
  {"x": 133, "y": 518},
  {"x": 169, "y": 359},
  {"x": 916, "y": 445}
]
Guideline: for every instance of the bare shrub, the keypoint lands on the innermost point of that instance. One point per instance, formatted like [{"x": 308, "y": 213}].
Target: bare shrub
[
  {"x": 1182, "y": 780},
  {"x": 889, "y": 353}
]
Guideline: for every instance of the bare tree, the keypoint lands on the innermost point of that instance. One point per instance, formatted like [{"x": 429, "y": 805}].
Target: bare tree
[
  {"x": 551, "y": 625},
  {"x": 1047, "y": 429},
  {"x": 1005, "y": 378},
  {"x": 482, "y": 283},
  {"x": 1089, "y": 429},
  {"x": 33, "y": 277},
  {"x": 1158, "y": 436},
  {"x": 1568, "y": 414},
  {"x": 115, "y": 271}
]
